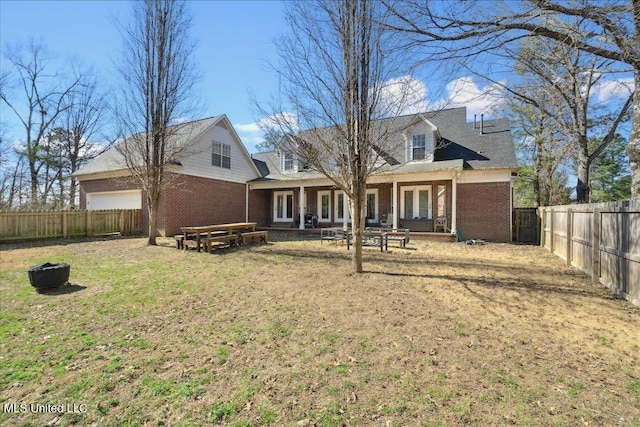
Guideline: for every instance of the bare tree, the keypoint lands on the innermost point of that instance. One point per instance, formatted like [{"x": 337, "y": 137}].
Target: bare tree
[
  {"x": 78, "y": 127},
  {"x": 158, "y": 81},
  {"x": 334, "y": 65},
  {"x": 544, "y": 151},
  {"x": 458, "y": 30},
  {"x": 43, "y": 100},
  {"x": 560, "y": 82}
]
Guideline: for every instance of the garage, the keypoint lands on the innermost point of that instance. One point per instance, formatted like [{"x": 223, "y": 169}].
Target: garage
[{"x": 129, "y": 199}]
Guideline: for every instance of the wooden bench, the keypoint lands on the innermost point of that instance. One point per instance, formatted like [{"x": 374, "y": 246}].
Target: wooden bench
[
  {"x": 399, "y": 236},
  {"x": 180, "y": 238},
  {"x": 188, "y": 243},
  {"x": 225, "y": 239},
  {"x": 254, "y": 236}
]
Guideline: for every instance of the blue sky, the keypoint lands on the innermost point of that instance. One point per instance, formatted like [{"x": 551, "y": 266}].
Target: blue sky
[{"x": 235, "y": 42}]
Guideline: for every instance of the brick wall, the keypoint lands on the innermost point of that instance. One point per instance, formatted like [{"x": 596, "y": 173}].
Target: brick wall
[
  {"x": 193, "y": 200},
  {"x": 188, "y": 200},
  {"x": 259, "y": 206},
  {"x": 484, "y": 211}
]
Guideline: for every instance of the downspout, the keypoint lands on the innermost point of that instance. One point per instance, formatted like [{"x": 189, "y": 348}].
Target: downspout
[{"x": 246, "y": 203}]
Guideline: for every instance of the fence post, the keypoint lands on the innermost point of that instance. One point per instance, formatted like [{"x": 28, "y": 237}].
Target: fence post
[
  {"x": 64, "y": 224},
  {"x": 543, "y": 223},
  {"x": 569, "y": 235},
  {"x": 88, "y": 222},
  {"x": 595, "y": 247},
  {"x": 551, "y": 231}
]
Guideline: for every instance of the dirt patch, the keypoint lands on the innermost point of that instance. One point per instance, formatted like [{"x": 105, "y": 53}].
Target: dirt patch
[{"x": 285, "y": 333}]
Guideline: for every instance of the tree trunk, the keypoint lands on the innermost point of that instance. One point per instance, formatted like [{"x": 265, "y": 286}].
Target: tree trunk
[
  {"x": 633, "y": 147},
  {"x": 33, "y": 175},
  {"x": 72, "y": 193},
  {"x": 582, "y": 187},
  {"x": 153, "y": 203},
  {"x": 357, "y": 223}
]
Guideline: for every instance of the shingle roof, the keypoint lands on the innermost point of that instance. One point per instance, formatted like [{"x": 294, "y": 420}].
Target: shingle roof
[
  {"x": 462, "y": 147},
  {"x": 493, "y": 148},
  {"x": 112, "y": 160}
]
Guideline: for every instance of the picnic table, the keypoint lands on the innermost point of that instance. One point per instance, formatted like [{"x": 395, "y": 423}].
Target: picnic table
[
  {"x": 380, "y": 237},
  {"x": 217, "y": 231},
  {"x": 377, "y": 238}
]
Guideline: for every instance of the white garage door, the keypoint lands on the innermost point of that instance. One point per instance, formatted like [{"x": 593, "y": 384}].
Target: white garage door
[{"x": 114, "y": 200}]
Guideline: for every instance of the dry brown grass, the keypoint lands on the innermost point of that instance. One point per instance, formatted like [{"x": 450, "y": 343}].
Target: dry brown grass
[{"x": 286, "y": 334}]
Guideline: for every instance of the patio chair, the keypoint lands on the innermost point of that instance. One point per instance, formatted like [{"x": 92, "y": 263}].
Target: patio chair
[
  {"x": 440, "y": 224},
  {"x": 384, "y": 221}
]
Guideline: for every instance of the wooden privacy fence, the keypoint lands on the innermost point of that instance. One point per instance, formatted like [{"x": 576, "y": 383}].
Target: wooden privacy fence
[
  {"x": 43, "y": 225},
  {"x": 602, "y": 239}
]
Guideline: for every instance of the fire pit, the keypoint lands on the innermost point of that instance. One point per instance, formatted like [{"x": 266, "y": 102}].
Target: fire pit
[{"x": 47, "y": 275}]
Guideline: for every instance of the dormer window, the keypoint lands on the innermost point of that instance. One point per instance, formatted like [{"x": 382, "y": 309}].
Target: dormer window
[
  {"x": 418, "y": 147},
  {"x": 288, "y": 162}
]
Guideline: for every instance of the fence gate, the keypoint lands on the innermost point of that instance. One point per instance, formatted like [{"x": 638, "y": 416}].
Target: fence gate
[{"x": 526, "y": 226}]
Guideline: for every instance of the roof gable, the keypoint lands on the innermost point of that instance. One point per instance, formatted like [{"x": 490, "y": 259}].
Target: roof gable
[{"x": 198, "y": 135}]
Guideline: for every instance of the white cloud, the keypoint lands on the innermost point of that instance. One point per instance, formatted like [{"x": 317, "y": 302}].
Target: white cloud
[
  {"x": 614, "y": 89},
  {"x": 248, "y": 128},
  {"x": 403, "y": 95},
  {"x": 407, "y": 95},
  {"x": 465, "y": 92},
  {"x": 18, "y": 145}
]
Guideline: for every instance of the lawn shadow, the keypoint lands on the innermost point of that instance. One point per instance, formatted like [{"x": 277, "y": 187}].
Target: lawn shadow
[
  {"x": 62, "y": 290},
  {"x": 534, "y": 282},
  {"x": 529, "y": 286},
  {"x": 60, "y": 241}
]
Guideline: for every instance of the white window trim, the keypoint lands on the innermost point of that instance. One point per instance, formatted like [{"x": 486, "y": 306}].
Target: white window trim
[
  {"x": 338, "y": 215},
  {"x": 319, "y": 213},
  {"x": 223, "y": 147},
  {"x": 284, "y": 194},
  {"x": 416, "y": 200},
  {"x": 294, "y": 161},
  {"x": 375, "y": 214},
  {"x": 411, "y": 147}
]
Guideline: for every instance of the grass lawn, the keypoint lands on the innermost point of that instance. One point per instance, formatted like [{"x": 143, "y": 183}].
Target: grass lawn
[{"x": 439, "y": 334}]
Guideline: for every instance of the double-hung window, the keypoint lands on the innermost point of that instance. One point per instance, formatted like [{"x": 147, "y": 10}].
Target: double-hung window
[
  {"x": 418, "y": 147},
  {"x": 221, "y": 156},
  {"x": 288, "y": 162}
]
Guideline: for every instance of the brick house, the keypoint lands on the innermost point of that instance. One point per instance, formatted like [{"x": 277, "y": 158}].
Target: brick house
[
  {"x": 440, "y": 167},
  {"x": 437, "y": 166},
  {"x": 208, "y": 183}
]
